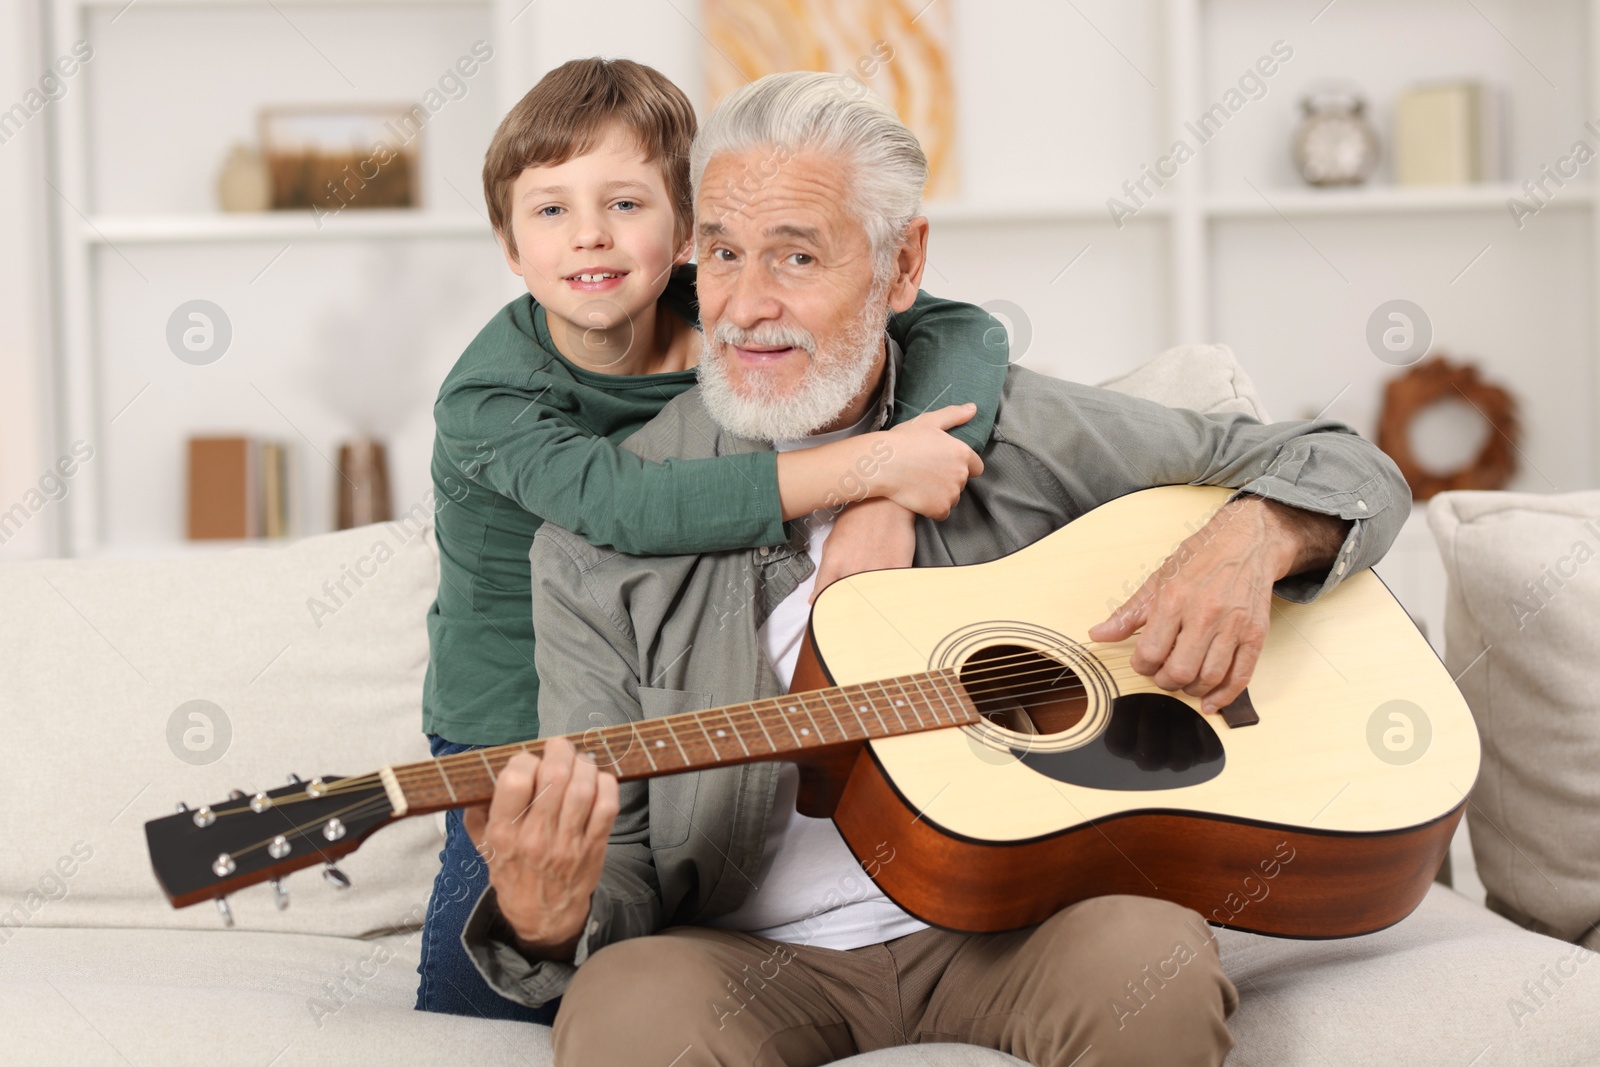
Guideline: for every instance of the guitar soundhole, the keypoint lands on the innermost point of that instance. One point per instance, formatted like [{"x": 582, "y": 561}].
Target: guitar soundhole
[{"x": 1022, "y": 690}]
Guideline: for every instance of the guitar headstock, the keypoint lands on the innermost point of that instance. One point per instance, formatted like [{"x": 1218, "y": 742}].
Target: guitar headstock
[{"x": 208, "y": 852}]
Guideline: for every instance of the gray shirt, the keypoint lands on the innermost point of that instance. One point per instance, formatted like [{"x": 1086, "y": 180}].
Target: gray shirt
[{"x": 625, "y": 638}]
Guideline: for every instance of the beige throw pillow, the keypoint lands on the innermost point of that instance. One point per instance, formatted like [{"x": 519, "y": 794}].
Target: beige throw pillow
[{"x": 1522, "y": 627}]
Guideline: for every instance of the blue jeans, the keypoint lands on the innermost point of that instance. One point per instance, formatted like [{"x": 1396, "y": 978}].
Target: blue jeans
[{"x": 450, "y": 983}]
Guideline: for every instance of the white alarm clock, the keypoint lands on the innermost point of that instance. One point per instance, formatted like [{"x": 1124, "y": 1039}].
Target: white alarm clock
[{"x": 1335, "y": 144}]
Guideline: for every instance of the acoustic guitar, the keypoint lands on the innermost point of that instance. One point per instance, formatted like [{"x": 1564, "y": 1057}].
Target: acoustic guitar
[{"x": 958, "y": 720}]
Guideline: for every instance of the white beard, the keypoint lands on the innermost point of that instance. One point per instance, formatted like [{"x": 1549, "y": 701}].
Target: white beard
[{"x": 834, "y": 377}]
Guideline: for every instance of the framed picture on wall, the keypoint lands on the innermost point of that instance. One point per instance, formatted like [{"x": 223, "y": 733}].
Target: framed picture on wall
[{"x": 899, "y": 49}]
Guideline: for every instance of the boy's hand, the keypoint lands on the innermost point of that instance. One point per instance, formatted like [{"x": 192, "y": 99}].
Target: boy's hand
[
  {"x": 927, "y": 468},
  {"x": 868, "y": 536}
]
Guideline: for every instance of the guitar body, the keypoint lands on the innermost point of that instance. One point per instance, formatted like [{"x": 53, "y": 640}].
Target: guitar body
[{"x": 1328, "y": 817}]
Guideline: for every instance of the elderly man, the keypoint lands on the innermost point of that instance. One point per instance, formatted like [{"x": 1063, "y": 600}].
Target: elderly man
[{"x": 698, "y": 918}]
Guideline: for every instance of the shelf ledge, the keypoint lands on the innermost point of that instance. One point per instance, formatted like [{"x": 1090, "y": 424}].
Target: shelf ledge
[
  {"x": 1374, "y": 200},
  {"x": 350, "y": 225},
  {"x": 1075, "y": 209}
]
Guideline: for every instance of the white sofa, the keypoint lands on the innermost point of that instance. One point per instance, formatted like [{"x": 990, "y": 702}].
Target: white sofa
[{"x": 310, "y": 658}]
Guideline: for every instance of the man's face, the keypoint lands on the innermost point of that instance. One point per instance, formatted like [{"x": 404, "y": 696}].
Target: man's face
[
  {"x": 595, "y": 235},
  {"x": 792, "y": 317}
]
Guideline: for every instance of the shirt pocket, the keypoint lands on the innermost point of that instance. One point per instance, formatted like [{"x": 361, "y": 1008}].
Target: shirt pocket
[{"x": 672, "y": 796}]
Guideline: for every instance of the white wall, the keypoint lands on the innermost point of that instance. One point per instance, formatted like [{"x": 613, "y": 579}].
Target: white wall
[
  {"x": 664, "y": 35},
  {"x": 25, "y": 418},
  {"x": 1057, "y": 105},
  {"x": 1051, "y": 113},
  {"x": 1047, "y": 111}
]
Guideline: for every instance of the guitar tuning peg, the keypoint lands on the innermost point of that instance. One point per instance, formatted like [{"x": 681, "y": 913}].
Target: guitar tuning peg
[
  {"x": 227, "y": 912},
  {"x": 294, "y": 779},
  {"x": 280, "y": 895},
  {"x": 182, "y": 806},
  {"x": 236, "y": 794},
  {"x": 334, "y": 876}
]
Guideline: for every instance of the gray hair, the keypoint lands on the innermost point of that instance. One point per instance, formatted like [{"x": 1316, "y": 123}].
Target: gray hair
[{"x": 828, "y": 113}]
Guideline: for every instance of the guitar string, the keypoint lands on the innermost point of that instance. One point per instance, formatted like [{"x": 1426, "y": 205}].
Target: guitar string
[
  {"x": 649, "y": 730},
  {"x": 374, "y": 802},
  {"x": 658, "y": 730},
  {"x": 429, "y": 773},
  {"x": 985, "y": 671}
]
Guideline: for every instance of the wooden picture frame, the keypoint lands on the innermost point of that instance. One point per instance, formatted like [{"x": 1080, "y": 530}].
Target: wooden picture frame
[{"x": 330, "y": 157}]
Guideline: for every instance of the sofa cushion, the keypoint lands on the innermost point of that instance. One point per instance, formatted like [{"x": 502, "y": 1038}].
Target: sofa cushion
[
  {"x": 191, "y": 998},
  {"x": 1450, "y": 984},
  {"x": 307, "y": 658},
  {"x": 1520, "y": 631},
  {"x": 203, "y": 998},
  {"x": 1204, "y": 378}
]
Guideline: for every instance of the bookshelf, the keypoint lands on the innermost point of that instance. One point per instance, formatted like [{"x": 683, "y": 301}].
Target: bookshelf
[
  {"x": 1058, "y": 105},
  {"x": 137, "y": 233}
]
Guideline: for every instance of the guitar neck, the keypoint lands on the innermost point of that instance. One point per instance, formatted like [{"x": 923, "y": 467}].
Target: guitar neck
[{"x": 775, "y": 728}]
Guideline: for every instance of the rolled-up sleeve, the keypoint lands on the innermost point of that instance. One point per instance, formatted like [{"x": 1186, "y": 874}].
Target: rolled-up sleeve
[
  {"x": 491, "y": 948},
  {"x": 1098, "y": 445},
  {"x": 1332, "y": 471}
]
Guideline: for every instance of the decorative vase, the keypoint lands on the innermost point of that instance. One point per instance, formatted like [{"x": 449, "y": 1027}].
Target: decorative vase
[
  {"x": 244, "y": 183},
  {"x": 363, "y": 484}
]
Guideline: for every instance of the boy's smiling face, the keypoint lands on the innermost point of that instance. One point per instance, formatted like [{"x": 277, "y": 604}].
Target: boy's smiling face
[{"x": 596, "y": 236}]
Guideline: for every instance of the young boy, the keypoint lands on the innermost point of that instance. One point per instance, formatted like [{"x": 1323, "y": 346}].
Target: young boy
[{"x": 588, "y": 192}]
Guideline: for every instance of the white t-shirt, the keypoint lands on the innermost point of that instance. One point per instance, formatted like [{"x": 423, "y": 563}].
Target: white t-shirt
[{"x": 810, "y": 888}]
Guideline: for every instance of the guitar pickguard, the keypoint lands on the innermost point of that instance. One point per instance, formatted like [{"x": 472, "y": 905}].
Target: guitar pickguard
[{"x": 1153, "y": 741}]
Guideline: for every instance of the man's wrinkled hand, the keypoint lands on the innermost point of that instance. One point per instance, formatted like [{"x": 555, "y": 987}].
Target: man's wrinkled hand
[
  {"x": 1206, "y": 609},
  {"x": 544, "y": 838}
]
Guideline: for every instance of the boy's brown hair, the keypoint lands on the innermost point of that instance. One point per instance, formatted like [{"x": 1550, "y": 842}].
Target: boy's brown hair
[{"x": 570, "y": 109}]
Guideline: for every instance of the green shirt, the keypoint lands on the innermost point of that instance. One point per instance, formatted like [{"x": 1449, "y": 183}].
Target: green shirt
[{"x": 524, "y": 435}]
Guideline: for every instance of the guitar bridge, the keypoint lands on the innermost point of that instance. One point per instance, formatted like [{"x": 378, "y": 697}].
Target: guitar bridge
[{"x": 1241, "y": 712}]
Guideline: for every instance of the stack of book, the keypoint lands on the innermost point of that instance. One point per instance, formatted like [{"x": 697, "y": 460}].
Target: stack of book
[{"x": 238, "y": 487}]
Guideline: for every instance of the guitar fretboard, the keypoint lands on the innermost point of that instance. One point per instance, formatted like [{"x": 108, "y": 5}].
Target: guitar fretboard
[{"x": 696, "y": 740}]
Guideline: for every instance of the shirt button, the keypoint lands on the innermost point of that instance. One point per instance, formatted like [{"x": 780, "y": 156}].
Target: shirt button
[
  {"x": 765, "y": 551},
  {"x": 1340, "y": 568},
  {"x": 594, "y": 927},
  {"x": 1361, "y": 504}
]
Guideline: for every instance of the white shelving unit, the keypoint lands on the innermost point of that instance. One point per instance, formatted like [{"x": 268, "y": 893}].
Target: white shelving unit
[
  {"x": 85, "y": 236},
  {"x": 1062, "y": 103}
]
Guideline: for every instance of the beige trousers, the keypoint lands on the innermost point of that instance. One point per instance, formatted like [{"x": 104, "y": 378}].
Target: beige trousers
[{"x": 1117, "y": 980}]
